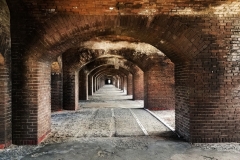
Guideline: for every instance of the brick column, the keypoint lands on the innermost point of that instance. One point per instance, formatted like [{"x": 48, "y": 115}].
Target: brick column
[
  {"x": 159, "y": 87},
  {"x": 70, "y": 90},
  {"x": 94, "y": 84},
  {"x": 129, "y": 84},
  {"x": 90, "y": 84},
  {"x": 56, "y": 92},
  {"x": 138, "y": 87},
  {"x": 5, "y": 78},
  {"x": 31, "y": 101},
  {"x": 125, "y": 84},
  {"x": 83, "y": 85}
]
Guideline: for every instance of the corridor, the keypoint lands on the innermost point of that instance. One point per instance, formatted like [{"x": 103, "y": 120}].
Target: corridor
[
  {"x": 108, "y": 113},
  {"x": 112, "y": 126}
]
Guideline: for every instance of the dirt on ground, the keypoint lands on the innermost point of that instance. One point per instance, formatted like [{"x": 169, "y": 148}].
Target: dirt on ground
[{"x": 117, "y": 128}]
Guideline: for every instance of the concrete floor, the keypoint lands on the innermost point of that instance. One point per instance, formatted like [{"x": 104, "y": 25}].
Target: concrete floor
[{"x": 112, "y": 126}]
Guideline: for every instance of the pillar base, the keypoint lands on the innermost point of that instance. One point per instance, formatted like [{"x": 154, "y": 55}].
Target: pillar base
[
  {"x": 5, "y": 145},
  {"x": 31, "y": 141}
]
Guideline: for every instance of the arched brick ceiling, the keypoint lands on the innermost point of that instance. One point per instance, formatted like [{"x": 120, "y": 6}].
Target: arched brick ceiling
[
  {"x": 77, "y": 58},
  {"x": 112, "y": 72},
  {"x": 56, "y": 26},
  {"x": 105, "y": 68},
  {"x": 116, "y": 62}
]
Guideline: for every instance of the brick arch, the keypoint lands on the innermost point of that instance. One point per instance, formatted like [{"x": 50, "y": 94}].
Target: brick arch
[
  {"x": 78, "y": 57},
  {"x": 129, "y": 66},
  {"x": 83, "y": 79},
  {"x": 164, "y": 32},
  {"x": 207, "y": 40},
  {"x": 107, "y": 61},
  {"x": 96, "y": 71},
  {"x": 121, "y": 75}
]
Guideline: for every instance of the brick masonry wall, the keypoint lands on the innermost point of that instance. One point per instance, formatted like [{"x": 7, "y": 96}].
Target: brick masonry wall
[
  {"x": 70, "y": 90},
  {"x": 44, "y": 100},
  {"x": 5, "y": 78},
  {"x": 129, "y": 84},
  {"x": 182, "y": 110},
  {"x": 202, "y": 35},
  {"x": 138, "y": 86},
  {"x": 56, "y": 92},
  {"x": 125, "y": 84},
  {"x": 159, "y": 87},
  {"x": 32, "y": 103},
  {"x": 83, "y": 85},
  {"x": 90, "y": 84}
]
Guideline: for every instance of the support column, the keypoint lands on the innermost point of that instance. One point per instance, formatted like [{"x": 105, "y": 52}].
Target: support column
[
  {"x": 31, "y": 101},
  {"x": 70, "y": 90},
  {"x": 125, "y": 84},
  {"x": 90, "y": 85},
  {"x": 159, "y": 87},
  {"x": 83, "y": 85},
  {"x": 5, "y": 78},
  {"x": 94, "y": 84},
  {"x": 56, "y": 92},
  {"x": 57, "y": 86},
  {"x": 138, "y": 87},
  {"x": 129, "y": 84}
]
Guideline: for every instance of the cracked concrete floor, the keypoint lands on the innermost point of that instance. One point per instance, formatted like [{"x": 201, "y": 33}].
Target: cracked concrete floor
[{"x": 113, "y": 131}]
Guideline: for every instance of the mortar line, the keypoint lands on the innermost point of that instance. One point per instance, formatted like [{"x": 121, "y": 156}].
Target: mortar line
[{"x": 139, "y": 123}]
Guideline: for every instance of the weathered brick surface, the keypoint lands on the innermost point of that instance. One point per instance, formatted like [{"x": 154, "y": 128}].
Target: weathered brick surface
[
  {"x": 57, "y": 86},
  {"x": 138, "y": 86},
  {"x": 83, "y": 84},
  {"x": 200, "y": 37},
  {"x": 5, "y": 78},
  {"x": 129, "y": 84},
  {"x": 159, "y": 87},
  {"x": 56, "y": 92},
  {"x": 90, "y": 84}
]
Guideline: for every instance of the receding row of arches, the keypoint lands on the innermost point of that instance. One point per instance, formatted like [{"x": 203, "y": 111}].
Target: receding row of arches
[{"x": 87, "y": 47}]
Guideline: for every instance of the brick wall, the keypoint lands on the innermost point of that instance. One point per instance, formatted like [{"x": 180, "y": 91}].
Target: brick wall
[
  {"x": 5, "y": 78},
  {"x": 129, "y": 84},
  {"x": 159, "y": 87},
  {"x": 182, "y": 94},
  {"x": 32, "y": 103},
  {"x": 90, "y": 84},
  {"x": 138, "y": 86},
  {"x": 202, "y": 35},
  {"x": 56, "y": 92},
  {"x": 83, "y": 85},
  {"x": 125, "y": 83}
]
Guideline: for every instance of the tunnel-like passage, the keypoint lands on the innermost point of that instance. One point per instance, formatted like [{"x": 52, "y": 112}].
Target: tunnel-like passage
[{"x": 49, "y": 58}]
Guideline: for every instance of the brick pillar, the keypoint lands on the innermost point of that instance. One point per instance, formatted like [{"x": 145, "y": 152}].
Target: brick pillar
[
  {"x": 122, "y": 83},
  {"x": 138, "y": 87},
  {"x": 70, "y": 90},
  {"x": 102, "y": 80},
  {"x": 118, "y": 82},
  {"x": 159, "y": 87},
  {"x": 5, "y": 78},
  {"x": 125, "y": 84},
  {"x": 90, "y": 84},
  {"x": 182, "y": 110},
  {"x": 56, "y": 92},
  {"x": 5, "y": 101},
  {"x": 31, "y": 100},
  {"x": 94, "y": 84},
  {"x": 129, "y": 84},
  {"x": 83, "y": 85}
]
